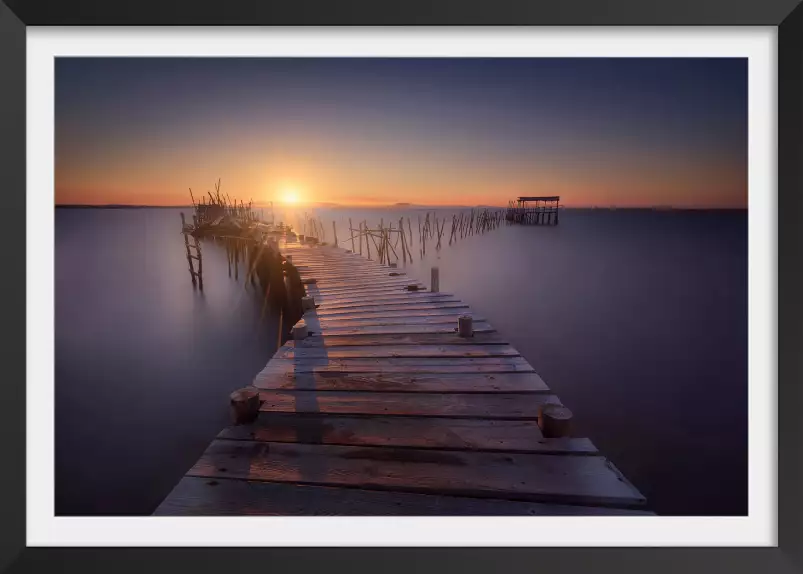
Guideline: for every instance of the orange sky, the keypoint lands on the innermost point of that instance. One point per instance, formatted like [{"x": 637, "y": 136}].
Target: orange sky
[{"x": 624, "y": 133}]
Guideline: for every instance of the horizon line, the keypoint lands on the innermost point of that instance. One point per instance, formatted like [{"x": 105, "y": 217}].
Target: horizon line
[{"x": 398, "y": 205}]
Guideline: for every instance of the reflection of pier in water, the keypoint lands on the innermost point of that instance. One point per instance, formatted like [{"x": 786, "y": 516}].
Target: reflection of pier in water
[
  {"x": 539, "y": 210},
  {"x": 381, "y": 407}
]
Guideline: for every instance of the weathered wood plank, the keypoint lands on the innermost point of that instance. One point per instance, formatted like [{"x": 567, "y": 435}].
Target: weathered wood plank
[
  {"x": 528, "y": 477},
  {"x": 361, "y": 283},
  {"x": 400, "y": 365},
  {"x": 364, "y": 276},
  {"x": 389, "y": 314},
  {"x": 479, "y": 327},
  {"x": 337, "y": 270},
  {"x": 394, "y": 298},
  {"x": 335, "y": 273},
  {"x": 368, "y": 291},
  {"x": 325, "y": 311},
  {"x": 407, "y": 432},
  {"x": 401, "y": 339},
  {"x": 400, "y": 382},
  {"x": 197, "y": 496},
  {"x": 395, "y": 351},
  {"x": 450, "y": 319},
  {"x": 469, "y": 405},
  {"x": 362, "y": 295},
  {"x": 328, "y": 264}
]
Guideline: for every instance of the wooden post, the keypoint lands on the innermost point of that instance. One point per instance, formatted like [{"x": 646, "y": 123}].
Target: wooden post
[
  {"x": 555, "y": 421},
  {"x": 351, "y": 233},
  {"x": 187, "y": 247},
  {"x": 245, "y": 405},
  {"x": 401, "y": 231},
  {"x": 334, "y": 230},
  {"x": 200, "y": 265},
  {"x": 435, "y": 280},
  {"x": 465, "y": 326},
  {"x": 300, "y": 331}
]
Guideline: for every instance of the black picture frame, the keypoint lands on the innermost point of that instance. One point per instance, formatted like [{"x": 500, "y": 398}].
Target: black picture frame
[{"x": 786, "y": 15}]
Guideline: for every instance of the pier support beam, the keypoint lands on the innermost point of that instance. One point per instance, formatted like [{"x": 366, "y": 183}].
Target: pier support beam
[{"x": 435, "y": 280}]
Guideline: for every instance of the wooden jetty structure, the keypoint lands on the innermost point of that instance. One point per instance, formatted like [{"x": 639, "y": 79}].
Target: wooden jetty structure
[
  {"x": 393, "y": 398},
  {"x": 539, "y": 210}
]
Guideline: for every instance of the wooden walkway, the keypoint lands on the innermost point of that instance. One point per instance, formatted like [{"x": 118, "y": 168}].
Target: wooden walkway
[{"x": 385, "y": 410}]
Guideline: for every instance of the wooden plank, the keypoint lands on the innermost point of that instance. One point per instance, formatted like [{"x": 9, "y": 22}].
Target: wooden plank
[
  {"x": 396, "y": 351},
  {"x": 450, "y": 319},
  {"x": 362, "y": 294},
  {"x": 411, "y": 297},
  {"x": 326, "y": 311},
  {"x": 367, "y": 291},
  {"x": 361, "y": 282},
  {"x": 401, "y": 339},
  {"x": 479, "y": 327},
  {"x": 336, "y": 269},
  {"x": 528, "y": 477},
  {"x": 400, "y": 365},
  {"x": 442, "y": 302},
  {"x": 331, "y": 286},
  {"x": 198, "y": 496},
  {"x": 333, "y": 276},
  {"x": 408, "y": 432},
  {"x": 349, "y": 273},
  {"x": 389, "y": 314},
  {"x": 341, "y": 266},
  {"x": 344, "y": 269},
  {"x": 508, "y": 406},
  {"x": 400, "y": 382}
]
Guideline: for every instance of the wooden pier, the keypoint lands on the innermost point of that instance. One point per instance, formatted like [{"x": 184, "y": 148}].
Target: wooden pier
[
  {"x": 542, "y": 210},
  {"x": 384, "y": 409}
]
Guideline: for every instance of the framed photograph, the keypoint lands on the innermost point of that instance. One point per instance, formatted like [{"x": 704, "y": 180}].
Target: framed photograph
[{"x": 443, "y": 287}]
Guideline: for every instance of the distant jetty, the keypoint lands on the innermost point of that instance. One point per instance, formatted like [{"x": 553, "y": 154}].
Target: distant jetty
[{"x": 535, "y": 210}]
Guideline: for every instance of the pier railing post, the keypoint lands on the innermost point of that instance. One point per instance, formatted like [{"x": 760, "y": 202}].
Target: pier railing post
[{"x": 435, "y": 280}]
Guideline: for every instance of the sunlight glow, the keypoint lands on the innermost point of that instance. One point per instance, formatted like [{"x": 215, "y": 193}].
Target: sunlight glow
[{"x": 289, "y": 195}]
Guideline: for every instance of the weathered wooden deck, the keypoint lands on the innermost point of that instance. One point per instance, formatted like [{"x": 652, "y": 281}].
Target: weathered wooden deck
[{"x": 385, "y": 410}]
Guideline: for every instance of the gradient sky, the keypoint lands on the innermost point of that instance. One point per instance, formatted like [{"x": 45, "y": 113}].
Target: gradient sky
[{"x": 626, "y": 132}]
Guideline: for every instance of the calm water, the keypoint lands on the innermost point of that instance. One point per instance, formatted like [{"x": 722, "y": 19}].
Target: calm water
[{"x": 637, "y": 320}]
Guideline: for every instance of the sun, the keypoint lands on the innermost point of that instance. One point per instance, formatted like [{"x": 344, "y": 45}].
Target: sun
[{"x": 290, "y": 196}]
